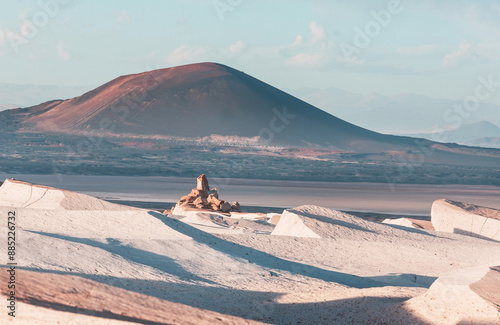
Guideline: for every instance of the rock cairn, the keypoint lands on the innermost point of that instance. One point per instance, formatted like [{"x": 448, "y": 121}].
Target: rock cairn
[{"x": 202, "y": 197}]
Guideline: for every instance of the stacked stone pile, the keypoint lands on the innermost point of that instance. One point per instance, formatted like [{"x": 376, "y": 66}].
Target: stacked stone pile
[{"x": 202, "y": 197}]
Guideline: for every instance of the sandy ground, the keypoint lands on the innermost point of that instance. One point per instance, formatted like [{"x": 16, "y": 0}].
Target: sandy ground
[
  {"x": 353, "y": 271},
  {"x": 54, "y": 298}
]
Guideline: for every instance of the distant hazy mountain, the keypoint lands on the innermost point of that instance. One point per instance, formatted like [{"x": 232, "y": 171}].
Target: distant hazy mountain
[
  {"x": 201, "y": 100},
  {"x": 486, "y": 142},
  {"x": 8, "y": 106},
  {"x": 12, "y": 95},
  {"x": 480, "y": 134},
  {"x": 468, "y": 134},
  {"x": 401, "y": 114}
]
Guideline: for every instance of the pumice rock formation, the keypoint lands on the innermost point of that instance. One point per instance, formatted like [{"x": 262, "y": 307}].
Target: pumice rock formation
[
  {"x": 466, "y": 219},
  {"x": 202, "y": 183},
  {"x": 202, "y": 197}
]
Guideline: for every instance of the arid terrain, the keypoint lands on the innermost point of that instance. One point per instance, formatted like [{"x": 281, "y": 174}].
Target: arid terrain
[
  {"x": 250, "y": 162},
  {"x": 136, "y": 256},
  {"x": 78, "y": 262}
]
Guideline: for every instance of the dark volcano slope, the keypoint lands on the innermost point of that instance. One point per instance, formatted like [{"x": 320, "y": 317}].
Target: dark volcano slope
[{"x": 199, "y": 100}]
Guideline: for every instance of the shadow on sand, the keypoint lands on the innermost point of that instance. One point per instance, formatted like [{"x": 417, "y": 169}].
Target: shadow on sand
[
  {"x": 255, "y": 305},
  {"x": 159, "y": 262},
  {"x": 263, "y": 259}
]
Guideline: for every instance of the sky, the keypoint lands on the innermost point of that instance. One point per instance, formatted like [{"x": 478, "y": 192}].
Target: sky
[{"x": 435, "y": 48}]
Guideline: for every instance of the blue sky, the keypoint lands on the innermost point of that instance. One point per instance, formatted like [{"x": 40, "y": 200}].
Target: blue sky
[{"x": 435, "y": 48}]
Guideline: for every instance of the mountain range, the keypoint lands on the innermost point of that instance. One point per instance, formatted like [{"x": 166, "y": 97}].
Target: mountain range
[
  {"x": 482, "y": 134},
  {"x": 409, "y": 113}
]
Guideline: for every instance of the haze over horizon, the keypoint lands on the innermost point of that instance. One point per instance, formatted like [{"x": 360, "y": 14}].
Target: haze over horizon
[{"x": 312, "y": 44}]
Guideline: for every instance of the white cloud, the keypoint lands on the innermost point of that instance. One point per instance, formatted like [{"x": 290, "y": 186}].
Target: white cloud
[
  {"x": 298, "y": 40},
  {"x": 305, "y": 59},
  {"x": 237, "y": 47},
  {"x": 317, "y": 31},
  {"x": 122, "y": 16},
  {"x": 63, "y": 54},
  {"x": 184, "y": 54},
  {"x": 464, "y": 52},
  {"x": 2, "y": 35},
  {"x": 318, "y": 52},
  {"x": 311, "y": 55},
  {"x": 416, "y": 50}
]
